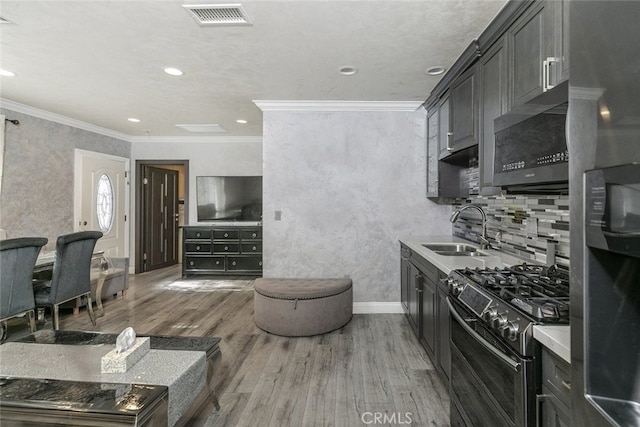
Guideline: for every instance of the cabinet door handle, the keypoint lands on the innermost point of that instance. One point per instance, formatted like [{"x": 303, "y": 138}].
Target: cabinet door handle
[
  {"x": 546, "y": 73},
  {"x": 566, "y": 384},
  {"x": 449, "y": 138}
]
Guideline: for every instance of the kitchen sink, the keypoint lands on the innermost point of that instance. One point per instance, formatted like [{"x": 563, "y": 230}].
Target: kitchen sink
[
  {"x": 461, "y": 253},
  {"x": 454, "y": 249}
]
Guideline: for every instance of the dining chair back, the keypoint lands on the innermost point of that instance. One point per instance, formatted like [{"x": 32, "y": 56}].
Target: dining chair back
[
  {"x": 71, "y": 274},
  {"x": 17, "y": 260}
]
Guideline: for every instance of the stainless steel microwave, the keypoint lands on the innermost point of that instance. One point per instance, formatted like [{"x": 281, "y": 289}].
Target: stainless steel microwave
[
  {"x": 612, "y": 209},
  {"x": 531, "y": 151}
]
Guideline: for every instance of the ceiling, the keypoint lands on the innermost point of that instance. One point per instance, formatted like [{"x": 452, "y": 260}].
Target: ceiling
[{"x": 101, "y": 62}]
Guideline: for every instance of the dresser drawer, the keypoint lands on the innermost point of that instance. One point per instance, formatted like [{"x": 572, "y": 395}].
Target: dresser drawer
[
  {"x": 226, "y": 248},
  {"x": 248, "y": 248},
  {"x": 250, "y": 234},
  {"x": 244, "y": 263},
  {"x": 198, "y": 248},
  {"x": 204, "y": 263},
  {"x": 225, "y": 234},
  {"x": 197, "y": 233}
]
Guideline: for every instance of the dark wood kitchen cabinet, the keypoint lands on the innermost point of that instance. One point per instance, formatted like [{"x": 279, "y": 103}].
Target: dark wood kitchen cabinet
[
  {"x": 464, "y": 111},
  {"x": 428, "y": 318},
  {"x": 428, "y": 280},
  {"x": 222, "y": 250},
  {"x": 537, "y": 44},
  {"x": 443, "y": 335},
  {"x": 555, "y": 401},
  {"x": 444, "y": 125},
  {"x": 442, "y": 178},
  {"x": 494, "y": 102}
]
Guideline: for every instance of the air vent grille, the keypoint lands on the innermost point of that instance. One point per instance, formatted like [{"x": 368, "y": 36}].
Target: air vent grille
[
  {"x": 218, "y": 14},
  {"x": 207, "y": 128}
]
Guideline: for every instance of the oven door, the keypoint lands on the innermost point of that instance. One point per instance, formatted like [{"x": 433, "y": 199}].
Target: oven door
[{"x": 491, "y": 385}]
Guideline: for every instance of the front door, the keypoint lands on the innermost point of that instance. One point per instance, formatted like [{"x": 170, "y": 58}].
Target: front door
[
  {"x": 102, "y": 192},
  {"x": 159, "y": 217}
]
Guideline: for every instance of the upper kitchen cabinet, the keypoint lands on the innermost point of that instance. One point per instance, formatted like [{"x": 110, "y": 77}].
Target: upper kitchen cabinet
[
  {"x": 492, "y": 70},
  {"x": 442, "y": 178},
  {"x": 433, "y": 151},
  {"x": 537, "y": 51},
  {"x": 464, "y": 111},
  {"x": 444, "y": 125}
]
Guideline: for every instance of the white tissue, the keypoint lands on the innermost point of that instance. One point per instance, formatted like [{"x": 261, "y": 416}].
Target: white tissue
[{"x": 125, "y": 340}]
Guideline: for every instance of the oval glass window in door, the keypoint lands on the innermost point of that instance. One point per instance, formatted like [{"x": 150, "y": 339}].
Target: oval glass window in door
[{"x": 104, "y": 203}]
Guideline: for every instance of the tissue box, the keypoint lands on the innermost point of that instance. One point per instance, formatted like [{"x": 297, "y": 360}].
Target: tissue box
[{"x": 118, "y": 363}]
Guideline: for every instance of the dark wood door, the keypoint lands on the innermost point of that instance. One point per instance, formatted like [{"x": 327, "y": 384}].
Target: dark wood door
[{"x": 159, "y": 218}]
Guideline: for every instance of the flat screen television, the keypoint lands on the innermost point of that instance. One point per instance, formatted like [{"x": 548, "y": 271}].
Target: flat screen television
[{"x": 229, "y": 198}]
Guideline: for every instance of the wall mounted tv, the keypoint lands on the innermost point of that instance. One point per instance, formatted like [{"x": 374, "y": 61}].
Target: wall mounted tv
[{"x": 229, "y": 198}]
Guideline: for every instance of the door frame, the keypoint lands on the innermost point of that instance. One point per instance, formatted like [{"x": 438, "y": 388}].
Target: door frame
[
  {"x": 140, "y": 164},
  {"x": 77, "y": 190}
]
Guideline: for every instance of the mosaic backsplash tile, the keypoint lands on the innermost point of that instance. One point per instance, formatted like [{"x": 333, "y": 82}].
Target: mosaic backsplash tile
[{"x": 528, "y": 226}]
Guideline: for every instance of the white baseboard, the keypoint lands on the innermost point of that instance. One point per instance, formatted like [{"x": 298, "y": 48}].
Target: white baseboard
[{"x": 377, "y": 307}]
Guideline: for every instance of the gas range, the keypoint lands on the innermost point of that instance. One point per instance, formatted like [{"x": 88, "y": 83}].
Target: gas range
[{"x": 511, "y": 300}]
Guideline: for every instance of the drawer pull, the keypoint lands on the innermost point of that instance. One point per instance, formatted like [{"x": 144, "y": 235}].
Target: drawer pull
[
  {"x": 191, "y": 263},
  {"x": 254, "y": 235},
  {"x": 198, "y": 248},
  {"x": 260, "y": 263},
  {"x": 197, "y": 234},
  {"x": 566, "y": 384},
  {"x": 233, "y": 263},
  {"x": 226, "y": 248},
  {"x": 226, "y": 234},
  {"x": 254, "y": 248}
]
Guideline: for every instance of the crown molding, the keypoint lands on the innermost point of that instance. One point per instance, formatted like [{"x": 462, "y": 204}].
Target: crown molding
[
  {"x": 338, "y": 106},
  {"x": 197, "y": 139},
  {"x": 63, "y": 120}
]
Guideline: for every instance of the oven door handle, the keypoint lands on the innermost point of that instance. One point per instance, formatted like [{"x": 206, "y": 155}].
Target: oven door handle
[{"x": 514, "y": 365}]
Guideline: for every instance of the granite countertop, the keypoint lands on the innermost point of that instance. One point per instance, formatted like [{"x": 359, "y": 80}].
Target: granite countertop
[{"x": 556, "y": 338}]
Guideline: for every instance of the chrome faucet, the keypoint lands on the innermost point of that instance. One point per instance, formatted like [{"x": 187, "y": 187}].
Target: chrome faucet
[{"x": 484, "y": 243}]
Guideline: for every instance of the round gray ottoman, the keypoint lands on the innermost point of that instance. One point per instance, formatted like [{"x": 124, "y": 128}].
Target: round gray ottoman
[{"x": 302, "y": 307}]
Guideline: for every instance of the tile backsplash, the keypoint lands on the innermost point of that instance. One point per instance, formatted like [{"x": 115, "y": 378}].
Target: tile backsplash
[{"x": 526, "y": 226}]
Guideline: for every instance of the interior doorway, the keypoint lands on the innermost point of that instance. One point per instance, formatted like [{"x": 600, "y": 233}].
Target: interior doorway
[{"x": 162, "y": 188}]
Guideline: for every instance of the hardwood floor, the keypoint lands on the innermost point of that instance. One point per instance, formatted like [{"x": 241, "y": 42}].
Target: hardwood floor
[{"x": 371, "y": 372}]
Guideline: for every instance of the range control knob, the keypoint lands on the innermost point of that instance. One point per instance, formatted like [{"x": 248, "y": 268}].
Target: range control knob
[
  {"x": 455, "y": 287},
  {"x": 499, "y": 320},
  {"x": 510, "y": 331},
  {"x": 489, "y": 314}
]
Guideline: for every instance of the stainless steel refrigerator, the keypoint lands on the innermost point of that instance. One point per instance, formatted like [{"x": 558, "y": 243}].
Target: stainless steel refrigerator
[{"x": 603, "y": 130}]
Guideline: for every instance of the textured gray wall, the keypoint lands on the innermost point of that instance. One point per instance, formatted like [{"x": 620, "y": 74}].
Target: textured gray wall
[
  {"x": 37, "y": 183},
  {"x": 348, "y": 184}
]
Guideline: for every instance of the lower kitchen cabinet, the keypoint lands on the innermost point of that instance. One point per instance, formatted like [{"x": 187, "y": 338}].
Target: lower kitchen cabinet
[
  {"x": 444, "y": 332},
  {"x": 554, "y": 404},
  {"x": 424, "y": 302}
]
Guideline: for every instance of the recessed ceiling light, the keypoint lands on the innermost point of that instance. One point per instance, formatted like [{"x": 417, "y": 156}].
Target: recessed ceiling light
[
  {"x": 7, "y": 73},
  {"x": 348, "y": 70},
  {"x": 133, "y": 120},
  {"x": 173, "y": 71},
  {"x": 241, "y": 121},
  {"x": 435, "y": 71}
]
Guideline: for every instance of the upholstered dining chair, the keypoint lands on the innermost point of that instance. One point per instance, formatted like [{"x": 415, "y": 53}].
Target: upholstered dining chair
[
  {"x": 71, "y": 274},
  {"x": 17, "y": 260}
]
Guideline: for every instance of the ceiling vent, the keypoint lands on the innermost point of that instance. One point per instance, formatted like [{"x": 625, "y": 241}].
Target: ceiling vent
[
  {"x": 212, "y": 128},
  {"x": 217, "y": 14}
]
